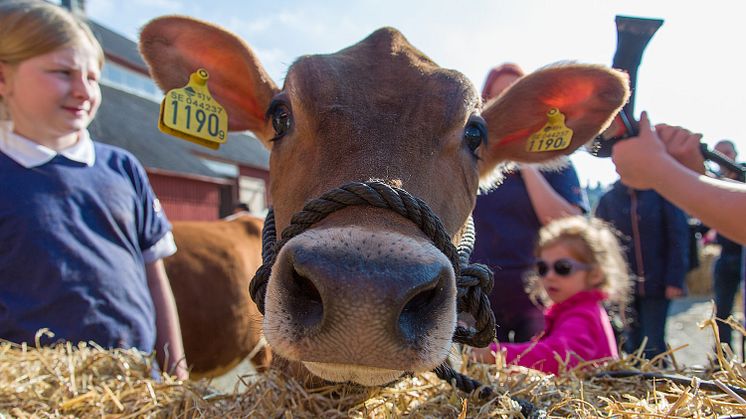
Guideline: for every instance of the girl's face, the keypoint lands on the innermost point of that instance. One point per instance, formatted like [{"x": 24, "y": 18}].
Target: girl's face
[
  {"x": 574, "y": 276},
  {"x": 51, "y": 97}
]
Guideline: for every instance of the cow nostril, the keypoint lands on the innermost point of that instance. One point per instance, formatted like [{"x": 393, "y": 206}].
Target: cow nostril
[
  {"x": 306, "y": 288},
  {"x": 305, "y": 304},
  {"x": 414, "y": 318},
  {"x": 420, "y": 301}
]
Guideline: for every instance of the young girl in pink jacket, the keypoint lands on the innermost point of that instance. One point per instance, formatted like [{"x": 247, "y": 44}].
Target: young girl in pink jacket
[{"x": 580, "y": 265}]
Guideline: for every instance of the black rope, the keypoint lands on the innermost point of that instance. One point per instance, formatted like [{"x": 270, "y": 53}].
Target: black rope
[
  {"x": 677, "y": 379},
  {"x": 474, "y": 285},
  {"x": 473, "y": 281},
  {"x": 461, "y": 381},
  {"x": 464, "y": 383}
]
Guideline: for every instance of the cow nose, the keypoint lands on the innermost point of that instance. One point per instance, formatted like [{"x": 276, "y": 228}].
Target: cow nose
[{"x": 398, "y": 295}]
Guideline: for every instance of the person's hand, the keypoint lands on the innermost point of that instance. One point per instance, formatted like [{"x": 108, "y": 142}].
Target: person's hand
[
  {"x": 180, "y": 370},
  {"x": 673, "y": 292},
  {"x": 635, "y": 157},
  {"x": 483, "y": 355},
  {"x": 683, "y": 145}
]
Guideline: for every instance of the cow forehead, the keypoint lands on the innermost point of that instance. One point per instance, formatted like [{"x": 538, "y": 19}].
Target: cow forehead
[
  {"x": 382, "y": 81},
  {"x": 379, "y": 109}
]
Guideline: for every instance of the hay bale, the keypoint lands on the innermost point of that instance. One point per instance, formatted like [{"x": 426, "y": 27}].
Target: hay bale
[
  {"x": 79, "y": 381},
  {"x": 86, "y": 381},
  {"x": 699, "y": 280}
]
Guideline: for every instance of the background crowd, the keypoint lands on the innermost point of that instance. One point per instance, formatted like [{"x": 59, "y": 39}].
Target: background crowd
[{"x": 656, "y": 239}]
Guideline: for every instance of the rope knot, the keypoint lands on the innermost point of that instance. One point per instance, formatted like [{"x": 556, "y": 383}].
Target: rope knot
[{"x": 474, "y": 287}]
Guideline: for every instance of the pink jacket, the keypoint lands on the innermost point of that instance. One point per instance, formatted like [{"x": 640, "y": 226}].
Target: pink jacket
[{"x": 577, "y": 329}]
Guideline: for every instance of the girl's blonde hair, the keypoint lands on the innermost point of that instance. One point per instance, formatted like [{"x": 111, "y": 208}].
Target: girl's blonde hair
[
  {"x": 34, "y": 27},
  {"x": 593, "y": 242}
]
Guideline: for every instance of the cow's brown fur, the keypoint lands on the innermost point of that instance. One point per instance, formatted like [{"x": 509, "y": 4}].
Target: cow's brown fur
[
  {"x": 210, "y": 276},
  {"x": 338, "y": 299}
]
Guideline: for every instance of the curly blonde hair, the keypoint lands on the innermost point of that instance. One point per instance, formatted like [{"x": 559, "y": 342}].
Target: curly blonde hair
[{"x": 593, "y": 242}]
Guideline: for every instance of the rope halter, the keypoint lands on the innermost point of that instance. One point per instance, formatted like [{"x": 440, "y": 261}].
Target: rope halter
[{"x": 473, "y": 281}]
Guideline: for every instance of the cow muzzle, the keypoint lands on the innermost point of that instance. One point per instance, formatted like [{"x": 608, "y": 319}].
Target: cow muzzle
[
  {"x": 352, "y": 296},
  {"x": 353, "y": 307}
]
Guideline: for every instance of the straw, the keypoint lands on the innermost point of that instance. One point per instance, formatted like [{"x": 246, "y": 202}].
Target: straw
[{"x": 86, "y": 381}]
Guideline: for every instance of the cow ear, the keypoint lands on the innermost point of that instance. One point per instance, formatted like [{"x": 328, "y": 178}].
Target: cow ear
[
  {"x": 588, "y": 96},
  {"x": 174, "y": 47}
]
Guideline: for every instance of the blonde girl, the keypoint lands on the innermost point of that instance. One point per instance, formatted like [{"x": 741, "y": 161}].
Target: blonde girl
[
  {"x": 579, "y": 267},
  {"x": 81, "y": 233}
]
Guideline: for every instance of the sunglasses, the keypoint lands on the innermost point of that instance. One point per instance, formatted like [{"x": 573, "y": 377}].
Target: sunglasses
[{"x": 562, "y": 267}]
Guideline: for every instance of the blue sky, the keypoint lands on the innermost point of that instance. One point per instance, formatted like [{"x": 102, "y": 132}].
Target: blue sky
[{"x": 691, "y": 74}]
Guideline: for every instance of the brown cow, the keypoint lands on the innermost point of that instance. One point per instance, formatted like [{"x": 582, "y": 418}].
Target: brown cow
[
  {"x": 210, "y": 276},
  {"x": 364, "y": 295}
]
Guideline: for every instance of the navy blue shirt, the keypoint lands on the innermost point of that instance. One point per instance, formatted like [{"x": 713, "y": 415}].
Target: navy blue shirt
[
  {"x": 728, "y": 246},
  {"x": 661, "y": 233},
  {"x": 505, "y": 221},
  {"x": 71, "y": 241}
]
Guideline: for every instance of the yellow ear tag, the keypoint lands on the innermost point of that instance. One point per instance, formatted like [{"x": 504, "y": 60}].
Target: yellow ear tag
[
  {"x": 190, "y": 113},
  {"x": 553, "y": 136}
]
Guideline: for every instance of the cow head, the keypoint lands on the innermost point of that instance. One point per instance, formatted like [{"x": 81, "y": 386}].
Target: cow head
[{"x": 364, "y": 295}]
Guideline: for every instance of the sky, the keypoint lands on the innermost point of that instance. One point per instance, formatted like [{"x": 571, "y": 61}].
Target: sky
[{"x": 691, "y": 73}]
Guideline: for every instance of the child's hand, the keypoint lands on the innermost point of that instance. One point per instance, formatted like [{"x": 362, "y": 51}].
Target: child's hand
[{"x": 484, "y": 355}]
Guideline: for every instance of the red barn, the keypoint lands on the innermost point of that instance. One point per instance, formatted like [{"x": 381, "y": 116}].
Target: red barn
[{"x": 192, "y": 182}]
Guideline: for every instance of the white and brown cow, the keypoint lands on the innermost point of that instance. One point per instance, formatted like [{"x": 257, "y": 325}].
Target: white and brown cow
[{"x": 340, "y": 295}]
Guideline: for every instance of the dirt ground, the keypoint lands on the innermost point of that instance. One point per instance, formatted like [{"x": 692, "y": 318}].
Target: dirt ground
[{"x": 682, "y": 328}]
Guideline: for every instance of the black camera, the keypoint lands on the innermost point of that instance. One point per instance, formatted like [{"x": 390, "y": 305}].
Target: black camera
[{"x": 622, "y": 127}]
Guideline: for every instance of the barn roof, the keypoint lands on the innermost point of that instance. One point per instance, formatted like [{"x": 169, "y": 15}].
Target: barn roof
[
  {"x": 130, "y": 122},
  {"x": 118, "y": 46}
]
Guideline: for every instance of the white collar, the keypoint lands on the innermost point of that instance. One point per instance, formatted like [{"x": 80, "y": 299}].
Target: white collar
[{"x": 30, "y": 154}]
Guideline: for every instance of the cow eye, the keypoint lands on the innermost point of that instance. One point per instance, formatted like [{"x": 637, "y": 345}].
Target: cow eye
[
  {"x": 282, "y": 120},
  {"x": 475, "y": 133}
]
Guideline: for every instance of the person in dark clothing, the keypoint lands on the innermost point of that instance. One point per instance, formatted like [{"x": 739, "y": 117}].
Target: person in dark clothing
[
  {"x": 507, "y": 220},
  {"x": 727, "y": 273},
  {"x": 669, "y": 160},
  {"x": 726, "y": 281},
  {"x": 656, "y": 235},
  {"x": 241, "y": 207}
]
